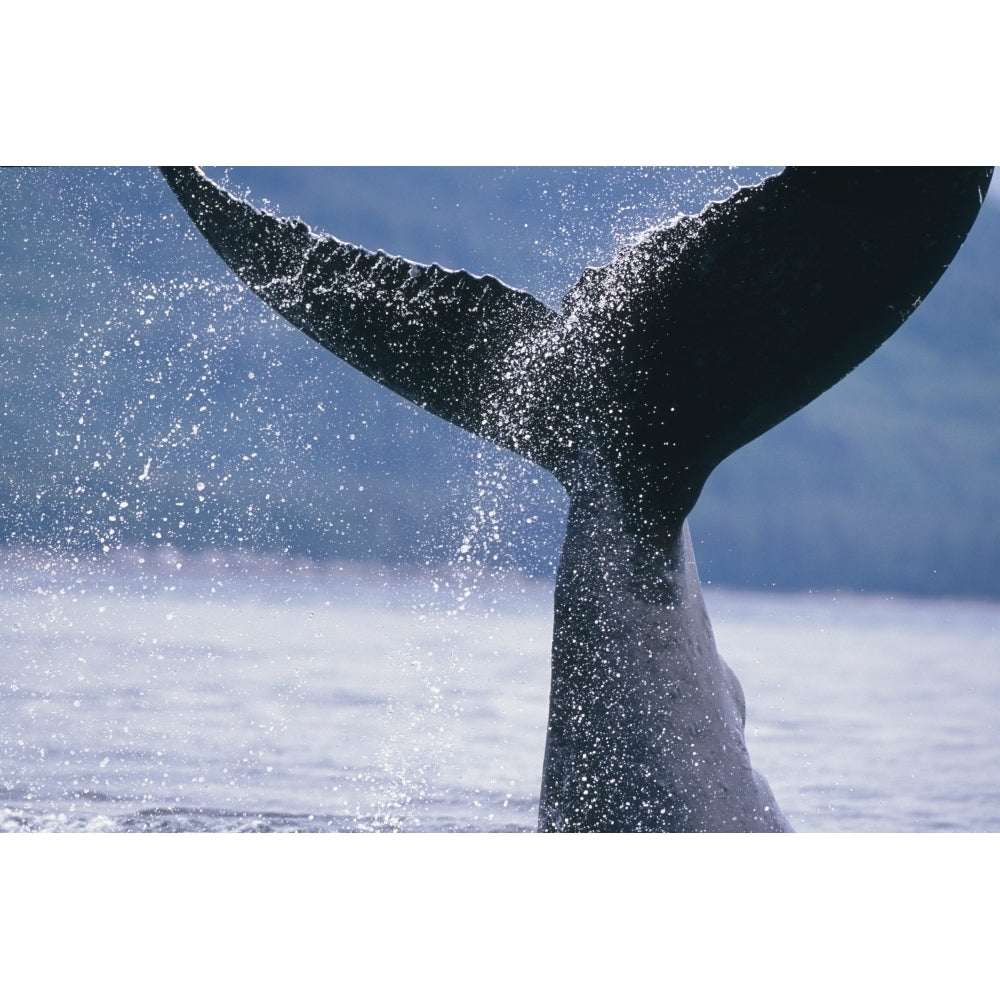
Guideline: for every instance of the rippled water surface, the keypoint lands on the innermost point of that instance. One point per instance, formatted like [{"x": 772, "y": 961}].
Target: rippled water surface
[{"x": 162, "y": 692}]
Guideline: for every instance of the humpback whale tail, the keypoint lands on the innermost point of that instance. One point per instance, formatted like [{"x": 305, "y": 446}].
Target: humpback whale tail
[
  {"x": 687, "y": 345},
  {"x": 683, "y": 348}
]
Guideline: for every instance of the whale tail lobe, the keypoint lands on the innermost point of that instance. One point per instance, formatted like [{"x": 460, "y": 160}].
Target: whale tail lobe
[
  {"x": 723, "y": 324},
  {"x": 434, "y": 336}
]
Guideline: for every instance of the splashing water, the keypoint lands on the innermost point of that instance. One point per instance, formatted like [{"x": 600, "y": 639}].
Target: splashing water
[{"x": 182, "y": 416}]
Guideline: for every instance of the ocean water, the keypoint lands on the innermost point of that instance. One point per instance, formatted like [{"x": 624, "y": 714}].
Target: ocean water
[{"x": 169, "y": 692}]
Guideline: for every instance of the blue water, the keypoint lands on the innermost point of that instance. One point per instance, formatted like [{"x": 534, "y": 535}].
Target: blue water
[{"x": 168, "y": 692}]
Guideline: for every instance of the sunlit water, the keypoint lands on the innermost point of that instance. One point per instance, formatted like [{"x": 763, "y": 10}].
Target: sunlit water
[{"x": 166, "y": 692}]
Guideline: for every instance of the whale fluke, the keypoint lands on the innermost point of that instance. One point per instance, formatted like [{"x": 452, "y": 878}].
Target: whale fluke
[{"x": 687, "y": 345}]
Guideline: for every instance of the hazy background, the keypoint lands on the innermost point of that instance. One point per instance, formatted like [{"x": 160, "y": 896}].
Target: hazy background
[{"x": 147, "y": 400}]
